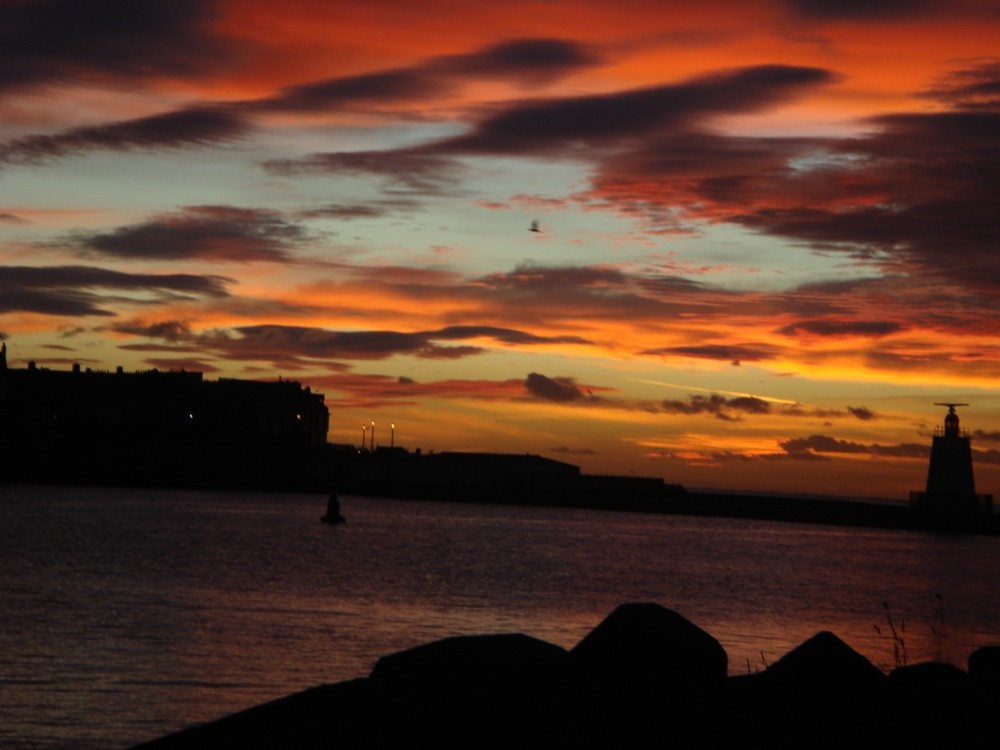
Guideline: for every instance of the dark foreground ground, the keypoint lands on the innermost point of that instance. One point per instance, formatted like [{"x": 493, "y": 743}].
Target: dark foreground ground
[{"x": 645, "y": 677}]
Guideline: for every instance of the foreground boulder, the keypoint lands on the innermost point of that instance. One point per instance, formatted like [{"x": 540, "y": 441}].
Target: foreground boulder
[
  {"x": 984, "y": 668},
  {"x": 482, "y": 691},
  {"x": 644, "y": 677},
  {"x": 826, "y": 666},
  {"x": 504, "y": 659},
  {"x": 649, "y": 645},
  {"x": 821, "y": 694}
]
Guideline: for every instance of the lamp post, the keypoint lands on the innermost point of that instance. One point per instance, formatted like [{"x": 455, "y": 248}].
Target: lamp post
[
  {"x": 392, "y": 435},
  {"x": 373, "y": 436},
  {"x": 363, "y": 428}
]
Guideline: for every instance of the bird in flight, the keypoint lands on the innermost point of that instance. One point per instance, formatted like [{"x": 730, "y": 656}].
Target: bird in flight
[{"x": 535, "y": 227}]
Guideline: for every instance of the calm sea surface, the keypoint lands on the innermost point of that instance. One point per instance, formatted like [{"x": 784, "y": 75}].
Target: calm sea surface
[{"x": 126, "y": 614}]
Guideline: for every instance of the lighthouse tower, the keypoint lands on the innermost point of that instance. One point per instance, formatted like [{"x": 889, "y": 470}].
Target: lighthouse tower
[{"x": 951, "y": 488}]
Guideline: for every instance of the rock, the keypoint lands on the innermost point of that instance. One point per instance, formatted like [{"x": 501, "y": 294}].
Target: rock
[
  {"x": 929, "y": 680},
  {"x": 482, "y": 691},
  {"x": 649, "y": 645},
  {"x": 935, "y": 704},
  {"x": 826, "y": 664},
  {"x": 644, "y": 677},
  {"x": 984, "y": 668},
  {"x": 504, "y": 658},
  {"x": 340, "y": 715},
  {"x": 821, "y": 694}
]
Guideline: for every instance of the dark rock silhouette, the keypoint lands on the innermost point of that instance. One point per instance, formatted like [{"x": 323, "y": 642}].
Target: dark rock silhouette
[
  {"x": 644, "y": 677},
  {"x": 650, "y": 645},
  {"x": 826, "y": 664},
  {"x": 984, "y": 667},
  {"x": 474, "y": 659},
  {"x": 474, "y": 691},
  {"x": 935, "y": 704}
]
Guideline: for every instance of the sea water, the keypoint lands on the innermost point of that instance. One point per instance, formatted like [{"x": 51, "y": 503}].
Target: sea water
[{"x": 127, "y": 614}]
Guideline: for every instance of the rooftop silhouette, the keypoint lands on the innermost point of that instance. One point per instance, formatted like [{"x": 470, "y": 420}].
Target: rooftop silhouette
[{"x": 157, "y": 427}]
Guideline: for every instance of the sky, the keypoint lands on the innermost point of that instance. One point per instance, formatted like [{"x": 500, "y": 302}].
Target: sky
[{"x": 768, "y": 230}]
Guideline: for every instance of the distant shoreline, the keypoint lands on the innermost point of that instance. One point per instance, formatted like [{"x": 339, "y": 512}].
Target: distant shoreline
[
  {"x": 790, "y": 509},
  {"x": 826, "y": 511}
]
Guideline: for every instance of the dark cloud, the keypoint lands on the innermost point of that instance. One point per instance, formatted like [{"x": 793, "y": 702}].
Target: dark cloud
[
  {"x": 180, "y": 129},
  {"x": 903, "y": 450},
  {"x": 292, "y": 345},
  {"x": 912, "y": 196},
  {"x": 927, "y": 192},
  {"x": 414, "y": 171},
  {"x": 972, "y": 88},
  {"x": 504, "y": 335},
  {"x": 560, "y": 390},
  {"x": 530, "y": 60},
  {"x": 749, "y": 405},
  {"x": 217, "y": 233},
  {"x": 63, "y": 41},
  {"x": 863, "y": 9},
  {"x": 561, "y": 126},
  {"x": 862, "y": 412},
  {"x": 735, "y": 408},
  {"x": 389, "y": 86},
  {"x": 558, "y": 277},
  {"x": 167, "y": 330},
  {"x": 717, "y": 352},
  {"x": 987, "y": 457},
  {"x": 276, "y": 342},
  {"x": 821, "y": 444},
  {"x": 835, "y": 328},
  {"x": 526, "y": 60},
  {"x": 568, "y": 125},
  {"x": 82, "y": 290},
  {"x": 824, "y": 444},
  {"x": 979, "y": 435},
  {"x": 348, "y": 211},
  {"x": 719, "y": 406}
]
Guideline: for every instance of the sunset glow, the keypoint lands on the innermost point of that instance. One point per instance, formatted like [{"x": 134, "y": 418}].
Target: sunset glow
[{"x": 768, "y": 230}]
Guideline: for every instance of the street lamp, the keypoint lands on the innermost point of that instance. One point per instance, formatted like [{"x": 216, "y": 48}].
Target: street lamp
[
  {"x": 363, "y": 428},
  {"x": 392, "y": 435},
  {"x": 373, "y": 436}
]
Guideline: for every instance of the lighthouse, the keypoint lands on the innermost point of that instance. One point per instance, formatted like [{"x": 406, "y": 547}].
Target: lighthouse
[{"x": 951, "y": 486}]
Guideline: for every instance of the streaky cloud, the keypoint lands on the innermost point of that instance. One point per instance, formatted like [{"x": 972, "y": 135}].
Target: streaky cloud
[
  {"x": 864, "y": 10},
  {"x": 186, "y": 128},
  {"x": 416, "y": 171},
  {"x": 505, "y": 335},
  {"x": 565, "y": 125},
  {"x": 65, "y": 41},
  {"x": 78, "y": 290},
  {"x": 717, "y": 352},
  {"x": 560, "y": 390},
  {"x": 530, "y": 61},
  {"x": 215, "y": 233},
  {"x": 295, "y": 344},
  {"x": 874, "y": 328}
]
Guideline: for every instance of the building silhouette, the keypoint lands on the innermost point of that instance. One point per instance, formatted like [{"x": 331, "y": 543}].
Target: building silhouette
[
  {"x": 951, "y": 488},
  {"x": 167, "y": 428}
]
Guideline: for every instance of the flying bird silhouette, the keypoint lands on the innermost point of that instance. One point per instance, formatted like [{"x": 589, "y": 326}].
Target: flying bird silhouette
[{"x": 534, "y": 227}]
